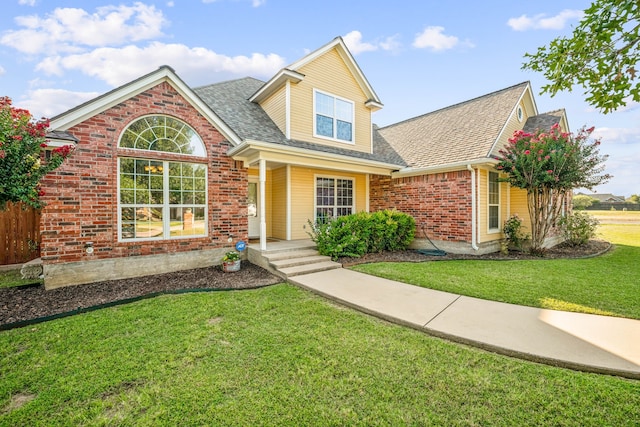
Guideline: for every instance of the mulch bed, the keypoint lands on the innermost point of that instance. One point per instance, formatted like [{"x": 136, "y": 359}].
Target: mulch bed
[{"x": 26, "y": 303}]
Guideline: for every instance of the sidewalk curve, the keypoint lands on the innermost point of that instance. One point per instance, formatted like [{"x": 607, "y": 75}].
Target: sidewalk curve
[{"x": 587, "y": 342}]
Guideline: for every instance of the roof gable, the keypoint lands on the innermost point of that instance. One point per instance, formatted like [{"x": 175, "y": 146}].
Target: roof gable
[
  {"x": 292, "y": 73},
  {"x": 459, "y": 133},
  {"x": 103, "y": 102},
  {"x": 544, "y": 121}
]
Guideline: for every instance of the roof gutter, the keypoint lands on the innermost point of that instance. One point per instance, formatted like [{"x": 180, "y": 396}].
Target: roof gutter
[
  {"x": 303, "y": 152},
  {"x": 449, "y": 167}
]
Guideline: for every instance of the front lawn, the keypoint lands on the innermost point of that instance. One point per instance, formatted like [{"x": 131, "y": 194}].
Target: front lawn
[
  {"x": 280, "y": 356},
  {"x": 609, "y": 284}
]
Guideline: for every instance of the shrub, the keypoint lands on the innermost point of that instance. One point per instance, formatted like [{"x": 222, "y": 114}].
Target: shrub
[
  {"x": 513, "y": 233},
  {"x": 22, "y": 166},
  {"x": 357, "y": 234},
  {"x": 578, "y": 228}
]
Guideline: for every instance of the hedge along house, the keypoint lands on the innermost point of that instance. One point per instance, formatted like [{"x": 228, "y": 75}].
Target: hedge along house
[
  {"x": 450, "y": 185},
  {"x": 167, "y": 177}
]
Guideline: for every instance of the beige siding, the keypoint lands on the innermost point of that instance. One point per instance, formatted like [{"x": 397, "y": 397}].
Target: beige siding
[
  {"x": 329, "y": 74},
  {"x": 514, "y": 124},
  {"x": 303, "y": 200},
  {"x": 275, "y": 107},
  {"x": 483, "y": 210},
  {"x": 518, "y": 205},
  {"x": 278, "y": 217}
]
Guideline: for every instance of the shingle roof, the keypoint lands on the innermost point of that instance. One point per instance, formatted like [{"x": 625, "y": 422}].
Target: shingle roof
[
  {"x": 458, "y": 133},
  {"x": 543, "y": 121},
  {"x": 230, "y": 101}
]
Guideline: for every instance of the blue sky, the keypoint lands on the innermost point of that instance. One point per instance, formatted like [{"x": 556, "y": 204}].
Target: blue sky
[{"x": 418, "y": 55}]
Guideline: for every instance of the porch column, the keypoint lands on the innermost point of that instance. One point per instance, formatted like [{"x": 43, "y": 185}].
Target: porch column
[{"x": 263, "y": 215}]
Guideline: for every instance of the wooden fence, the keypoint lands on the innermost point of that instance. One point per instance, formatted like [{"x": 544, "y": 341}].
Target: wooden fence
[{"x": 19, "y": 234}]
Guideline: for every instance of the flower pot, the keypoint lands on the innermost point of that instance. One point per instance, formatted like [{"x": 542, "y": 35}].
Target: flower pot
[{"x": 230, "y": 266}]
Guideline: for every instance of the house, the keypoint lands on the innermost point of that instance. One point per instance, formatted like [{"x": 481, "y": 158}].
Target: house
[
  {"x": 605, "y": 197},
  {"x": 449, "y": 184},
  {"x": 167, "y": 177}
]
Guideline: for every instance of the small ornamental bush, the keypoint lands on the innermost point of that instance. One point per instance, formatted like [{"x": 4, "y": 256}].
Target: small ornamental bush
[
  {"x": 357, "y": 234},
  {"x": 22, "y": 141},
  {"x": 513, "y": 232},
  {"x": 578, "y": 228}
]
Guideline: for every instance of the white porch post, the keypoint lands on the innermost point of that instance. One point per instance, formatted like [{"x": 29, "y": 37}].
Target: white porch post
[{"x": 263, "y": 215}]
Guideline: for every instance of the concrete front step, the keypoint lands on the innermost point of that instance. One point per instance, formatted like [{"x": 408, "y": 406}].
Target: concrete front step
[
  {"x": 309, "y": 268},
  {"x": 292, "y": 262},
  {"x": 290, "y": 254}
]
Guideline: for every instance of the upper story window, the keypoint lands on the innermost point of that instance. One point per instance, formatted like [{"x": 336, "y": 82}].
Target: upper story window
[
  {"x": 333, "y": 117},
  {"x": 162, "y": 133}
]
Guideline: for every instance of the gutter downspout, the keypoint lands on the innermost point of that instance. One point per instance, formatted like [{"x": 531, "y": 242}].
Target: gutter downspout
[{"x": 474, "y": 213}]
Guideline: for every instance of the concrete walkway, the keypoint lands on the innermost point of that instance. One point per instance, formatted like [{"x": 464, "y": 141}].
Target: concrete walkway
[{"x": 585, "y": 342}]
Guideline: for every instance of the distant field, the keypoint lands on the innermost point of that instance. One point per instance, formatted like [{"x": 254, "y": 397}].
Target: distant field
[{"x": 616, "y": 217}]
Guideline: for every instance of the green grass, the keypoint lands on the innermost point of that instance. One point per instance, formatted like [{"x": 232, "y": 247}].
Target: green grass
[
  {"x": 280, "y": 356},
  {"x": 9, "y": 278},
  {"x": 608, "y": 285}
]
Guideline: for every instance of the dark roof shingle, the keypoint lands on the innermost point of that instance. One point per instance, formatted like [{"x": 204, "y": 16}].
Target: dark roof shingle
[{"x": 458, "y": 133}]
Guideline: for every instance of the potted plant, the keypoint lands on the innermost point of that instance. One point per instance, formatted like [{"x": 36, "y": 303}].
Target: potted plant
[{"x": 231, "y": 261}]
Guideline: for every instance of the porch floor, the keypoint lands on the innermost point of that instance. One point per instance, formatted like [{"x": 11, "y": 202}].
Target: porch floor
[{"x": 281, "y": 245}]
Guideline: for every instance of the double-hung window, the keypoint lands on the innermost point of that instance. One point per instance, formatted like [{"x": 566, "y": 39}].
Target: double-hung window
[
  {"x": 161, "y": 198},
  {"x": 334, "y": 198},
  {"x": 333, "y": 117},
  {"x": 494, "y": 202}
]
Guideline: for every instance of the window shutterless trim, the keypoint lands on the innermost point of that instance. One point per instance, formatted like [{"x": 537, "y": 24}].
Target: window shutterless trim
[{"x": 334, "y": 118}]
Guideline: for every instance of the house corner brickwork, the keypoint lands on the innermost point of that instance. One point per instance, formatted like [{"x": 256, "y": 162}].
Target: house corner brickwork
[
  {"x": 440, "y": 203},
  {"x": 82, "y": 195}
]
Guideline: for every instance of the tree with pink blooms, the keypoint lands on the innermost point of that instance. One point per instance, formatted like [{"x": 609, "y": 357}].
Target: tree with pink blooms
[
  {"x": 549, "y": 166},
  {"x": 22, "y": 166}
]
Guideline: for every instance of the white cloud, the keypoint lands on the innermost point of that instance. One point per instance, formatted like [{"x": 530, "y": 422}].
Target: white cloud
[
  {"x": 254, "y": 3},
  {"x": 2, "y": 70},
  {"x": 72, "y": 30},
  {"x": 434, "y": 39},
  {"x": 542, "y": 22},
  {"x": 192, "y": 64},
  {"x": 354, "y": 42},
  {"x": 27, "y": 2},
  {"x": 617, "y": 135},
  {"x": 49, "y": 102}
]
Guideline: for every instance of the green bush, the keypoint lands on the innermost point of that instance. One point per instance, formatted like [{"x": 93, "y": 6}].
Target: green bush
[
  {"x": 578, "y": 228},
  {"x": 357, "y": 234},
  {"x": 513, "y": 232}
]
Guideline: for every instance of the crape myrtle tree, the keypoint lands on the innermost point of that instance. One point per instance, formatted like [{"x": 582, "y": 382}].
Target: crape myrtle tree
[
  {"x": 549, "y": 166},
  {"x": 22, "y": 140},
  {"x": 602, "y": 56}
]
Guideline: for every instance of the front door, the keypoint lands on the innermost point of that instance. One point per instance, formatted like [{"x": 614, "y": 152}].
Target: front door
[{"x": 253, "y": 210}]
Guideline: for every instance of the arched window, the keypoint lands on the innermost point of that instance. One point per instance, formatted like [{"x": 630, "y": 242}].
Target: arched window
[
  {"x": 161, "y": 199},
  {"x": 162, "y": 133}
]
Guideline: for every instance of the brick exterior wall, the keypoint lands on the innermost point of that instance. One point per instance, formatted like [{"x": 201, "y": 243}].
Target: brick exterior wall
[
  {"x": 440, "y": 203},
  {"x": 82, "y": 195}
]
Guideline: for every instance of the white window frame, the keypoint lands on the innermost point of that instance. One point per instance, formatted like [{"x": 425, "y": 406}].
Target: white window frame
[
  {"x": 201, "y": 146},
  {"x": 165, "y": 206},
  {"x": 335, "y": 206},
  {"x": 335, "y": 125},
  {"x": 490, "y": 205}
]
